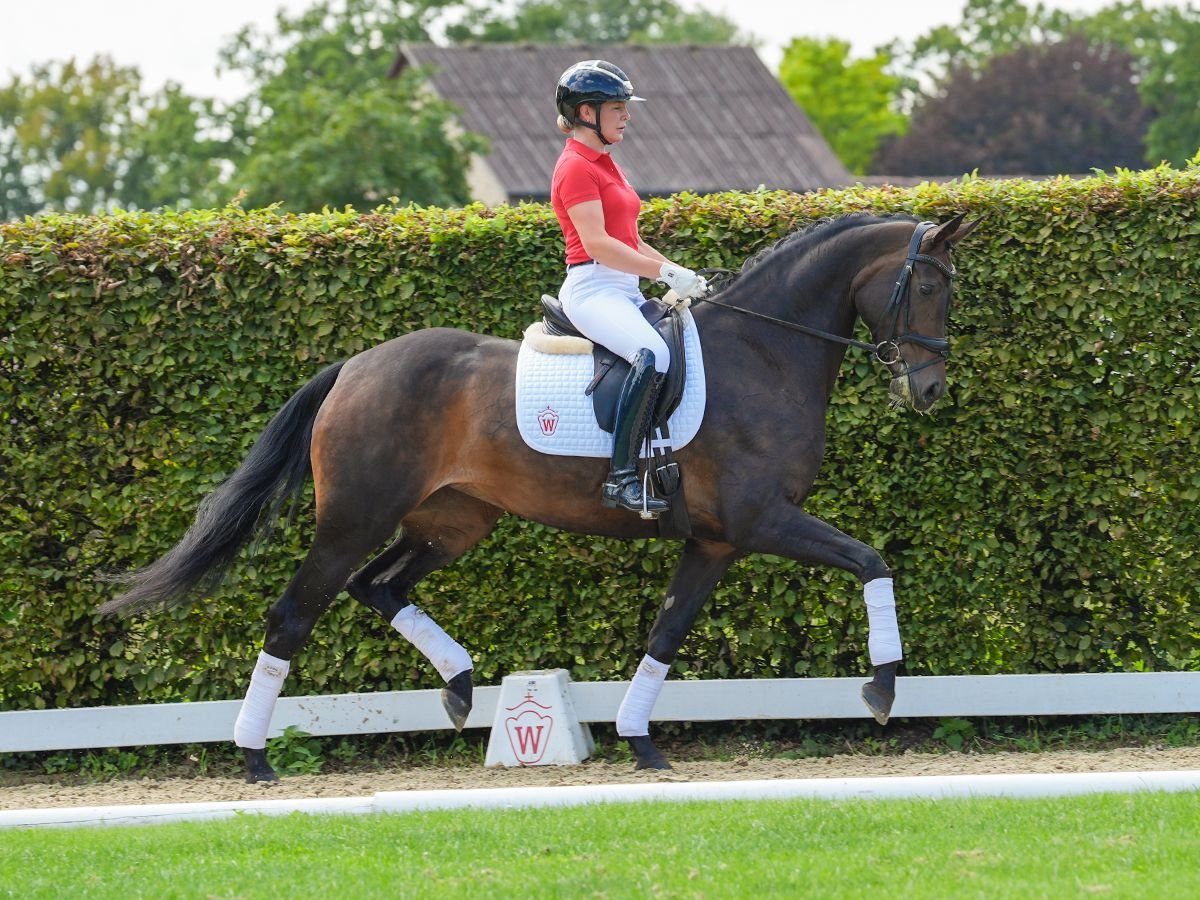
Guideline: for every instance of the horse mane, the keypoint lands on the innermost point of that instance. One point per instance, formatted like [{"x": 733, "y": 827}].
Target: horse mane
[{"x": 809, "y": 238}]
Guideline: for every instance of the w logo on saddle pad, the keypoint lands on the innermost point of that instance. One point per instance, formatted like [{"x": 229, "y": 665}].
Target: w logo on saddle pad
[{"x": 556, "y": 417}]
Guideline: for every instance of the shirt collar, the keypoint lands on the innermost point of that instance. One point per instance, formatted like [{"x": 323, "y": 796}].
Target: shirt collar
[{"x": 584, "y": 150}]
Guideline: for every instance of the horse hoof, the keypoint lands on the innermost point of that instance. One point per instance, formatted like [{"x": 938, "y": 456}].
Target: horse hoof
[
  {"x": 258, "y": 770},
  {"x": 646, "y": 753},
  {"x": 880, "y": 692},
  {"x": 456, "y": 698}
]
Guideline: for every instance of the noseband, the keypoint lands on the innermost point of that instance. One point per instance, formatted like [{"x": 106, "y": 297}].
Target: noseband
[{"x": 888, "y": 351}]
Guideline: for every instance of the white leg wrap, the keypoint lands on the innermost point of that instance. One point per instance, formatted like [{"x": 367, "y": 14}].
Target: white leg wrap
[
  {"x": 633, "y": 718},
  {"x": 250, "y": 730},
  {"x": 883, "y": 638},
  {"x": 447, "y": 656}
]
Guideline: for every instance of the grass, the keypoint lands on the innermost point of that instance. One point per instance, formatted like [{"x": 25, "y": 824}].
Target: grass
[{"x": 1130, "y": 845}]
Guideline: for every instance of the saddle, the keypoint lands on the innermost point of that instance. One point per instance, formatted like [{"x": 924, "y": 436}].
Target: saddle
[
  {"x": 610, "y": 369},
  {"x": 605, "y": 389}
]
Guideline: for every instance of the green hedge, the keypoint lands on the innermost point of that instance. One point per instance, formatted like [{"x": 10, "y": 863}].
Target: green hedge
[{"x": 1044, "y": 518}]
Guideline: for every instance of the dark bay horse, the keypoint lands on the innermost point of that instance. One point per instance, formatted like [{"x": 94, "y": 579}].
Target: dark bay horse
[{"x": 415, "y": 440}]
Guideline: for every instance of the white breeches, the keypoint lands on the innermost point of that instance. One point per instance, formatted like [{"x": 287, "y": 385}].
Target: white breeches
[{"x": 603, "y": 304}]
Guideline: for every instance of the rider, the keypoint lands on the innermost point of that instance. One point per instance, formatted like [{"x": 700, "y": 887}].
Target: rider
[{"x": 598, "y": 211}]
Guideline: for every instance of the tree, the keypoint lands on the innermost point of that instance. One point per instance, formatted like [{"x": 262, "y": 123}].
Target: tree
[
  {"x": 1060, "y": 108},
  {"x": 1173, "y": 91},
  {"x": 85, "y": 138},
  {"x": 849, "y": 101},
  {"x": 69, "y": 124},
  {"x": 594, "y": 22},
  {"x": 1162, "y": 40},
  {"x": 326, "y": 127},
  {"x": 988, "y": 29},
  {"x": 17, "y": 198},
  {"x": 1166, "y": 44},
  {"x": 173, "y": 157},
  {"x": 78, "y": 138}
]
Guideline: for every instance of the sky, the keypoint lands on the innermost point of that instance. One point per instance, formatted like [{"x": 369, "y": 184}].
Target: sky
[{"x": 178, "y": 40}]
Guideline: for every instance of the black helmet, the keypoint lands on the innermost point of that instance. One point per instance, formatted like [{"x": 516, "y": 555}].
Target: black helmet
[{"x": 591, "y": 81}]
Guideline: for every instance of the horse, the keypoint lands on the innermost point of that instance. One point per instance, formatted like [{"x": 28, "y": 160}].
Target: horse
[{"x": 414, "y": 441}]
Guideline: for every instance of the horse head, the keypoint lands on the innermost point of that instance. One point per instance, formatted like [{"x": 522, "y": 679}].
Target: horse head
[{"x": 907, "y": 314}]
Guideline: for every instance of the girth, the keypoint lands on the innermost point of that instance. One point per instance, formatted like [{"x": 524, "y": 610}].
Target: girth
[{"x": 610, "y": 369}]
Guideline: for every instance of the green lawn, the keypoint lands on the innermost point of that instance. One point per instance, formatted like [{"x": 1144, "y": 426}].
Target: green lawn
[{"x": 1128, "y": 845}]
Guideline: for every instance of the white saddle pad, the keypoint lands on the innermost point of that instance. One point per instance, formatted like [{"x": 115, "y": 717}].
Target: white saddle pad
[{"x": 555, "y": 417}]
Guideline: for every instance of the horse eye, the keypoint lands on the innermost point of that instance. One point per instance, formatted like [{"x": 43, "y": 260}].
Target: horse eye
[{"x": 926, "y": 289}]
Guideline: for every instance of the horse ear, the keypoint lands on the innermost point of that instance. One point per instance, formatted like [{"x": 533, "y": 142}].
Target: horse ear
[{"x": 953, "y": 231}]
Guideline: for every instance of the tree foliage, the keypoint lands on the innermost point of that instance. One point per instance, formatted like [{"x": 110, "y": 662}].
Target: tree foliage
[
  {"x": 594, "y": 22},
  {"x": 1065, "y": 108},
  {"x": 1163, "y": 41},
  {"x": 1172, "y": 90},
  {"x": 849, "y": 101},
  {"x": 175, "y": 158},
  {"x": 988, "y": 29},
  {"x": 84, "y": 137},
  {"x": 325, "y": 126}
]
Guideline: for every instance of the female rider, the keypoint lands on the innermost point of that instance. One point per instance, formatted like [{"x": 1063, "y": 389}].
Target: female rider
[{"x": 598, "y": 209}]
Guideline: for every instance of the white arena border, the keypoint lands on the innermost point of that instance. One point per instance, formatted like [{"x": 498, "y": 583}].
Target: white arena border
[
  {"x": 932, "y": 787},
  {"x": 971, "y": 696}
]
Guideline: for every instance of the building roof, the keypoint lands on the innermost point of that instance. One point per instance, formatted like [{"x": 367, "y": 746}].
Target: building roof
[{"x": 715, "y": 119}]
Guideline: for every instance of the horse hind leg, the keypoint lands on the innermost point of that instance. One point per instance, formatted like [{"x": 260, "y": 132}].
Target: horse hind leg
[
  {"x": 700, "y": 568},
  {"x": 438, "y": 532},
  {"x": 335, "y": 550}
]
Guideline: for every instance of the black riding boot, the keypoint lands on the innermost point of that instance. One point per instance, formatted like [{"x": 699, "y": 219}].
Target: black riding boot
[{"x": 634, "y": 413}]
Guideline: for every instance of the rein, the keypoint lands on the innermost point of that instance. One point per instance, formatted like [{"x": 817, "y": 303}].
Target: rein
[
  {"x": 886, "y": 352},
  {"x": 875, "y": 349}
]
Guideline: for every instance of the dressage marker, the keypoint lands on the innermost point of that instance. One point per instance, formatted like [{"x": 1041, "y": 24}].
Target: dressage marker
[{"x": 536, "y": 723}]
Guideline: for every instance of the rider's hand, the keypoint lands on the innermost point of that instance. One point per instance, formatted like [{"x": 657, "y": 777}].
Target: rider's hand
[
  {"x": 699, "y": 290},
  {"x": 683, "y": 282}
]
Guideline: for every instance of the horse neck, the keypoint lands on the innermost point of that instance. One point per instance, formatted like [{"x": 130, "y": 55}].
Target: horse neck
[{"x": 812, "y": 289}]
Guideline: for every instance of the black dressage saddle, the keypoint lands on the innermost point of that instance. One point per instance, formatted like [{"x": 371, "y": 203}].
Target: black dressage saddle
[{"x": 610, "y": 369}]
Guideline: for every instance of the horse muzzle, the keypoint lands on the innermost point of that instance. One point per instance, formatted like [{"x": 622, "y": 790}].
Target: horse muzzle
[{"x": 918, "y": 390}]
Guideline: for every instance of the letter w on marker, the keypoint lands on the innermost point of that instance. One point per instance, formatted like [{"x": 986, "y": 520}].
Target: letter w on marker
[{"x": 529, "y": 737}]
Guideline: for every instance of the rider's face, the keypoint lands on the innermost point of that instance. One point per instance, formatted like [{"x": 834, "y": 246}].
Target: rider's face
[{"x": 614, "y": 116}]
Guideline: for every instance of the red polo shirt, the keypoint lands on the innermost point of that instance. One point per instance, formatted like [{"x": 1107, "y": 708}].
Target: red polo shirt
[{"x": 583, "y": 174}]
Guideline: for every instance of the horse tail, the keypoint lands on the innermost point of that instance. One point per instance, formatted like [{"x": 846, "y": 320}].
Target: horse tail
[{"x": 273, "y": 472}]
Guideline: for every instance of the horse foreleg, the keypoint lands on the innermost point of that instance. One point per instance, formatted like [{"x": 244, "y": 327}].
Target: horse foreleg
[
  {"x": 437, "y": 533},
  {"x": 699, "y": 570},
  {"x": 883, "y": 645},
  {"x": 795, "y": 534}
]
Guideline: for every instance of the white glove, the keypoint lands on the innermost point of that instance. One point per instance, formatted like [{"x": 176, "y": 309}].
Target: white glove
[{"x": 684, "y": 282}]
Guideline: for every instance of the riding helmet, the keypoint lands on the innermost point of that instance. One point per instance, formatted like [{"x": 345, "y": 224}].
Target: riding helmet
[{"x": 591, "y": 81}]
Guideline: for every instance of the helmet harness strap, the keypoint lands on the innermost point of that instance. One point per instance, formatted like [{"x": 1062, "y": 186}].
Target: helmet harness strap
[{"x": 596, "y": 105}]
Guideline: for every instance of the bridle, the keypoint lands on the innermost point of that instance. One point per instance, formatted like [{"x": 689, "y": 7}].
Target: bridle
[
  {"x": 898, "y": 303},
  {"x": 887, "y": 351}
]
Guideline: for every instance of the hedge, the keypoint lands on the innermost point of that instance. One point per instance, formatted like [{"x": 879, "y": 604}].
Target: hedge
[{"x": 1044, "y": 518}]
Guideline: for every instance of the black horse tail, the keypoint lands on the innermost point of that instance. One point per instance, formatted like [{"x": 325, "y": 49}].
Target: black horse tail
[{"x": 273, "y": 472}]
